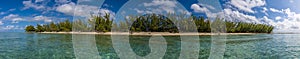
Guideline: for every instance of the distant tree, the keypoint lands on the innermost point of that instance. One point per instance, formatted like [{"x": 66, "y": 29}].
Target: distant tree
[
  {"x": 200, "y": 24},
  {"x": 68, "y": 25},
  {"x": 53, "y": 27},
  {"x": 79, "y": 25},
  {"x": 230, "y": 26},
  {"x": 65, "y": 26},
  {"x": 47, "y": 28},
  {"x": 153, "y": 23},
  {"x": 207, "y": 26},
  {"x": 101, "y": 23},
  {"x": 40, "y": 28},
  {"x": 30, "y": 28}
]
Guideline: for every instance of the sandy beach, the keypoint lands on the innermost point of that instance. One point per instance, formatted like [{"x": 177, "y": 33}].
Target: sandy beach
[{"x": 148, "y": 33}]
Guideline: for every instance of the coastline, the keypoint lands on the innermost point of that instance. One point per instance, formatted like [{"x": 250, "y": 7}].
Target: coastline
[{"x": 148, "y": 33}]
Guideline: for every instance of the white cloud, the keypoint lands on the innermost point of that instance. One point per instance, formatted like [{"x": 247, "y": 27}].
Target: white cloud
[
  {"x": 42, "y": 18},
  {"x": 29, "y": 4},
  {"x": 2, "y": 13},
  {"x": 11, "y": 27},
  {"x": 247, "y": 5},
  {"x": 40, "y": 5},
  {"x": 82, "y": 10},
  {"x": 292, "y": 20},
  {"x": 197, "y": 8},
  {"x": 8, "y": 11},
  {"x": 1, "y": 23},
  {"x": 62, "y": 1},
  {"x": 36, "y": 1},
  {"x": 290, "y": 23},
  {"x": 106, "y": 5},
  {"x": 103, "y": 11},
  {"x": 84, "y": 0},
  {"x": 66, "y": 8},
  {"x": 265, "y": 9},
  {"x": 11, "y": 10},
  {"x": 10, "y": 16},
  {"x": 86, "y": 10},
  {"x": 161, "y": 3},
  {"x": 231, "y": 15},
  {"x": 228, "y": 14},
  {"x": 44, "y": 5},
  {"x": 266, "y": 20},
  {"x": 291, "y": 1},
  {"x": 14, "y": 18},
  {"x": 162, "y": 6},
  {"x": 277, "y": 18},
  {"x": 275, "y": 10},
  {"x": 158, "y": 7}
]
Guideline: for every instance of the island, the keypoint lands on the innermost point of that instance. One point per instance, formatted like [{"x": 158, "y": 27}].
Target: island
[{"x": 148, "y": 24}]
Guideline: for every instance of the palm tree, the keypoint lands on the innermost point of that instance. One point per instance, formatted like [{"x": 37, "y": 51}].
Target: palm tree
[
  {"x": 78, "y": 25},
  {"x": 53, "y": 27},
  {"x": 40, "y": 28},
  {"x": 30, "y": 28}
]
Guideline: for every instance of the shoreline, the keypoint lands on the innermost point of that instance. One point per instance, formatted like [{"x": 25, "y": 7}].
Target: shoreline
[{"x": 148, "y": 33}]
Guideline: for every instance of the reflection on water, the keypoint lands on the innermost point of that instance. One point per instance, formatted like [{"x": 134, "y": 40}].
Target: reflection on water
[{"x": 59, "y": 46}]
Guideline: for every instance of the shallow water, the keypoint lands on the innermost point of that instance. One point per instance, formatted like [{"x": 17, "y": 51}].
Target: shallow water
[{"x": 59, "y": 46}]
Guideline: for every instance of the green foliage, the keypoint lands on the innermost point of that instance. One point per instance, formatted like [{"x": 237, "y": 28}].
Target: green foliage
[
  {"x": 152, "y": 23},
  {"x": 101, "y": 23},
  {"x": 39, "y": 28},
  {"x": 242, "y": 27},
  {"x": 53, "y": 27},
  {"x": 233, "y": 27},
  {"x": 30, "y": 28},
  {"x": 218, "y": 26},
  {"x": 201, "y": 24},
  {"x": 65, "y": 26},
  {"x": 47, "y": 28},
  {"x": 79, "y": 25}
]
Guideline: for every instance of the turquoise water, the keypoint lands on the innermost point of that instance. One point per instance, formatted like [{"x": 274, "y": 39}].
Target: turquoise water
[{"x": 59, "y": 46}]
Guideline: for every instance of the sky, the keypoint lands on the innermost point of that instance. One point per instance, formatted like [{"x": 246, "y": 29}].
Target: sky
[{"x": 15, "y": 15}]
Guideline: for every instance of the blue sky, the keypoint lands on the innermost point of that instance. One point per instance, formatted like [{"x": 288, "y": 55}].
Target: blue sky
[{"x": 16, "y": 14}]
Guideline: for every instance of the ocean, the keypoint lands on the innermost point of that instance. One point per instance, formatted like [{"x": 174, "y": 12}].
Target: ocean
[{"x": 18, "y": 45}]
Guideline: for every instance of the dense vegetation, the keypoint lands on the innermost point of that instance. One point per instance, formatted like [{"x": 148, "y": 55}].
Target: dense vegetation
[
  {"x": 147, "y": 23},
  {"x": 153, "y": 23},
  {"x": 65, "y": 26},
  {"x": 30, "y": 28},
  {"x": 95, "y": 24}
]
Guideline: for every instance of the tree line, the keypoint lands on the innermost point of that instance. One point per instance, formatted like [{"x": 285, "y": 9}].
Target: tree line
[
  {"x": 153, "y": 23},
  {"x": 65, "y": 26},
  {"x": 147, "y": 23},
  {"x": 96, "y": 23}
]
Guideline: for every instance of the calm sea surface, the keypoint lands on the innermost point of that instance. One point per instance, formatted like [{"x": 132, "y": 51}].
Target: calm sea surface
[{"x": 60, "y": 46}]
